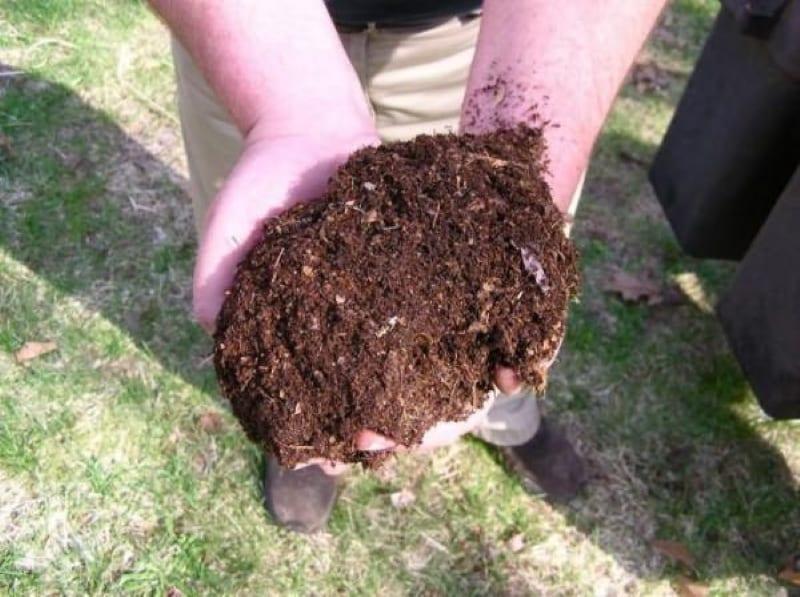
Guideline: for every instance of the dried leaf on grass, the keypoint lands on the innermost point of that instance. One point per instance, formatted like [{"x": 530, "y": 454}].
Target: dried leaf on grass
[
  {"x": 686, "y": 587},
  {"x": 402, "y": 499},
  {"x": 31, "y": 350},
  {"x": 634, "y": 289},
  {"x": 791, "y": 571},
  {"x": 649, "y": 77},
  {"x": 675, "y": 551},
  {"x": 210, "y": 422}
]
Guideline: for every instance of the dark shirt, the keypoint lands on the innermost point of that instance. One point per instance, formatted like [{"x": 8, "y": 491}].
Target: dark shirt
[{"x": 398, "y": 12}]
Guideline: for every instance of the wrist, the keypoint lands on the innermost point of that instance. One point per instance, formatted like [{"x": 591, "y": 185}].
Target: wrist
[
  {"x": 337, "y": 116},
  {"x": 350, "y": 134}
]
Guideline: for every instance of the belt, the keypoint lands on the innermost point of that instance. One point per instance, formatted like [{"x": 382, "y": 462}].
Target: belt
[{"x": 407, "y": 26}]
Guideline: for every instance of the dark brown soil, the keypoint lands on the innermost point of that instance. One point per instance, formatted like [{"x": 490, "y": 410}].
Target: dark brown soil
[{"x": 387, "y": 304}]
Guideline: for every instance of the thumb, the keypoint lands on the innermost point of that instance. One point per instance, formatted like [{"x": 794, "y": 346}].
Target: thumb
[
  {"x": 507, "y": 380},
  {"x": 226, "y": 241},
  {"x": 250, "y": 195},
  {"x": 369, "y": 441}
]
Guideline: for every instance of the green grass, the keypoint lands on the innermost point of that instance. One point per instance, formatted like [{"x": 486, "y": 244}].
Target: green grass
[{"x": 109, "y": 485}]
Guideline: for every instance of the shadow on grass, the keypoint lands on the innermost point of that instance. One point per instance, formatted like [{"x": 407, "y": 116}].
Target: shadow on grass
[
  {"x": 674, "y": 432},
  {"x": 101, "y": 218},
  {"x": 94, "y": 213}
]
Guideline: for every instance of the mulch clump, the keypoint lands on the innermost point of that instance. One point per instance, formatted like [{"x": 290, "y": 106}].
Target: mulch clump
[{"x": 387, "y": 303}]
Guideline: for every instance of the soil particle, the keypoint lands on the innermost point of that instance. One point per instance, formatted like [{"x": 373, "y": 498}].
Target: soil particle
[{"x": 387, "y": 303}]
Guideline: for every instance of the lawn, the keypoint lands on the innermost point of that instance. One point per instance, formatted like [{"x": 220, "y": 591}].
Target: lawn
[{"x": 123, "y": 471}]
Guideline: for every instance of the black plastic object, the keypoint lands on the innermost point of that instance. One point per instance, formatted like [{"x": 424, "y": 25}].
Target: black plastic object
[
  {"x": 754, "y": 17},
  {"x": 734, "y": 141},
  {"x": 395, "y": 13},
  {"x": 728, "y": 177},
  {"x": 760, "y": 312}
]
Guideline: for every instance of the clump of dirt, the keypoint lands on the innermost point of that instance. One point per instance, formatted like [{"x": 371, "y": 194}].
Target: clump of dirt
[{"x": 387, "y": 303}]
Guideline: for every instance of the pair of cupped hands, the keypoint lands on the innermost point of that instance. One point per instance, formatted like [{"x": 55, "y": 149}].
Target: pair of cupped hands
[{"x": 272, "y": 174}]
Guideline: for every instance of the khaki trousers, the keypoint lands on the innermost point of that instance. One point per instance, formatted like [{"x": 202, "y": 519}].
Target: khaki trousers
[{"x": 414, "y": 81}]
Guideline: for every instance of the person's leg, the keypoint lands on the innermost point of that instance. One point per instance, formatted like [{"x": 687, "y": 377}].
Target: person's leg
[
  {"x": 535, "y": 446},
  {"x": 415, "y": 80},
  {"x": 211, "y": 140}
]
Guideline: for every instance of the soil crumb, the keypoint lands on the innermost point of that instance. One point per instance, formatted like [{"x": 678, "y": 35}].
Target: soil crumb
[{"x": 388, "y": 303}]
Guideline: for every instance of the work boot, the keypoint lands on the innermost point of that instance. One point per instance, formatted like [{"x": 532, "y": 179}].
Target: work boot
[
  {"x": 548, "y": 462},
  {"x": 298, "y": 499}
]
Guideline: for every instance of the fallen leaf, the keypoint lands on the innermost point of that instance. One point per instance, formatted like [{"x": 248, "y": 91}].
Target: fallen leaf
[
  {"x": 649, "y": 77},
  {"x": 791, "y": 571},
  {"x": 31, "y": 350},
  {"x": 516, "y": 543},
  {"x": 634, "y": 289},
  {"x": 686, "y": 587},
  {"x": 402, "y": 499},
  {"x": 675, "y": 551},
  {"x": 210, "y": 422}
]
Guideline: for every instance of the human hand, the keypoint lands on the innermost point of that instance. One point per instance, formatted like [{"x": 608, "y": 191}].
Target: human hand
[
  {"x": 442, "y": 434},
  {"x": 506, "y": 381},
  {"x": 271, "y": 175}
]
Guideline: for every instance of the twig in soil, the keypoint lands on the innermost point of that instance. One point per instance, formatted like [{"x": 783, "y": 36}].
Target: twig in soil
[{"x": 275, "y": 267}]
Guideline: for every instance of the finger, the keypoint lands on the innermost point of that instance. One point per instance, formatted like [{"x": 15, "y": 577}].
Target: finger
[
  {"x": 507, "y": 380},
  {"x": 369, "y": 441},
  {"x": 262, "y": 185},
  {"x": 232, "y": 227},
  {"x": 223, "y": 247}
]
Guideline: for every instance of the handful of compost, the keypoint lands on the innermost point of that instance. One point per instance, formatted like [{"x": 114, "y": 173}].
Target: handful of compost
[{"x": 387, "y": 303}]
